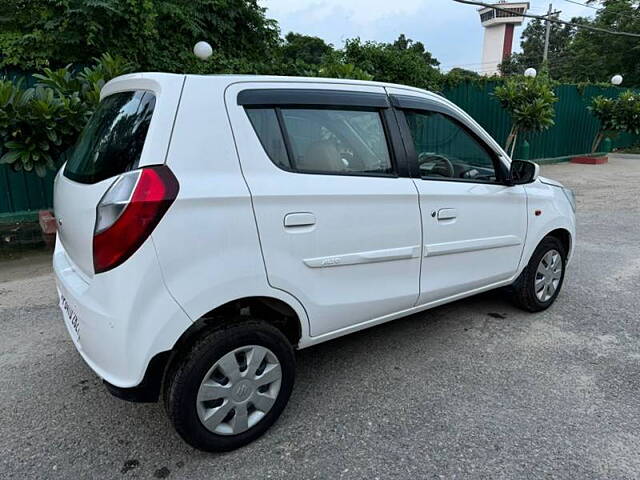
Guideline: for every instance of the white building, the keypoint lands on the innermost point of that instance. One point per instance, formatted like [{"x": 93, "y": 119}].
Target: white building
[{"x": 498, "y": 33}]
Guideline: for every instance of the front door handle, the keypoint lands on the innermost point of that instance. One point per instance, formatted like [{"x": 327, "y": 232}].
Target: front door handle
[
  {"x": 447, "y": 214},
  {"x": 302, "y": 219}
]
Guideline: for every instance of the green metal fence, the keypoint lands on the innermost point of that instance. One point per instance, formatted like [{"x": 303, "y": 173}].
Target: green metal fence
[
  {"x": 23, "y": 194},
  {"x": 572, "y": 134}
]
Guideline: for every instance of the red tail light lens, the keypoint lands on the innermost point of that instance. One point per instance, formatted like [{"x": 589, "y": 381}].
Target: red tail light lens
[{"x": 128, "y": 212}]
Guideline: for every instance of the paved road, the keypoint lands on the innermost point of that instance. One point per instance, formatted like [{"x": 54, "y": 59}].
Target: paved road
[{"x": 475, "y": 389}]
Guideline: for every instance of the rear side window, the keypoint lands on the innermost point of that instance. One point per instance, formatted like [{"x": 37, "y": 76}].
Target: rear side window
[
  {"x": 112, "y": 141},
  {"x": 265, "y": 123},
  {"x": 324, "y": 140}
]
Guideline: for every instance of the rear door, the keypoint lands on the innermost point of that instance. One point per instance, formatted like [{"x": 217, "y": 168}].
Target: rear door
[
  {"x": 128, "y": 130},
  {"x": 474, "y": 224},
  {"x": 338, "y": 218}
]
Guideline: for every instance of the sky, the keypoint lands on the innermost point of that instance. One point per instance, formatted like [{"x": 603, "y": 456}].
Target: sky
[{"x": 450, "y": 31}]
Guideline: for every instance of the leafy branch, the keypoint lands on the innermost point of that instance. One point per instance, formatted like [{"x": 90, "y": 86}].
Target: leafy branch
[
  {"x": 529, "y": 101},
  {"x": 616, "y": 115},
  {"x": 39, "y": 124}
]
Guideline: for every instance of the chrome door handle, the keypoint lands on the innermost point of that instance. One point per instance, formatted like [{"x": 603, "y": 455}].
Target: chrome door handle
[
  {"x": 303, "y": 219},
  {"x": 447, "y": 214}
]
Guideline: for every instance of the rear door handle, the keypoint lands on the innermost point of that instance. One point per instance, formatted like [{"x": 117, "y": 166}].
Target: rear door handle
[
  {"x": 303, "y": 219},
  {"x": 447, "y": 214}
]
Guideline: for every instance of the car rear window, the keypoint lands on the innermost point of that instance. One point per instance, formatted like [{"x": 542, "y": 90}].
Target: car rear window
[{"x": 112, "y": 141}]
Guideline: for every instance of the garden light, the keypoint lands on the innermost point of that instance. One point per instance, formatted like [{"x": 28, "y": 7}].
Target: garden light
[{"x": 202, "y": 50}]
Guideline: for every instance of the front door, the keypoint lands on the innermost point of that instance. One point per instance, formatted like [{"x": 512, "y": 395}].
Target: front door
[
  {"x": 338, "y": 222},
  {"x": 474, "y": 224}
]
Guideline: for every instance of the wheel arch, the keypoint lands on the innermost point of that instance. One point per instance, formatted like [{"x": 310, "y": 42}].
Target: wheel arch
[
  {"x": 558, "y": 228},
  {"x": 564, "y": 236},
  {"x": 270, "y": 309}
]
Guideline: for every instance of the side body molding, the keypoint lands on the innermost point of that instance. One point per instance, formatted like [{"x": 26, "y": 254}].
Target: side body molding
[
  {"x": 435, "y": 249},
  {"x": 371, "y": 256}
]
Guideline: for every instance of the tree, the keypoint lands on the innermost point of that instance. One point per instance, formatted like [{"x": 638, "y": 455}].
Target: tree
[
  {"x": 238, "y": 30},
  {"x": 463, "y": 72},
  {"x": 403, "y": 43},
  {"x": 403, "y": 61},
  {"x": 581, "y": 55},
  {"x": 529, "y": 102},
  {"x": 532, "y": 44},
  {"x": 153, "y": 34},
  {"x": 310, "y": 50},
  {"x": 616, "y": 115},
  {"x": 596, "y": 56},
  {"x": 344, "y": 70}
]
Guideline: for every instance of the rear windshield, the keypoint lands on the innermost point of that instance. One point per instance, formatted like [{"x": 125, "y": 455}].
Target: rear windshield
[{"x": 112, "y": 141}]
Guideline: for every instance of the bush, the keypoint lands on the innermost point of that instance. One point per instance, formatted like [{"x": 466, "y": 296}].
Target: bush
[
  {"x": 529, "y": 101},
  {"x": 39, "y": 125},
  {"x": 404, "y": 62},
  {"x": 616, "y": 115},
  {"x": 343, "y": 70}
]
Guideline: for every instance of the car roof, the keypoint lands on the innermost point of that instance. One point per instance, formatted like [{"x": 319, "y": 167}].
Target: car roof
[
  {"x": 278, "y": 78},
  {"x": 240, "y": 78}
]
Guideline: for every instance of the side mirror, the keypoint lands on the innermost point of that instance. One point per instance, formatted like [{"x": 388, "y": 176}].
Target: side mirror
[{"x": 523, "y": 171}]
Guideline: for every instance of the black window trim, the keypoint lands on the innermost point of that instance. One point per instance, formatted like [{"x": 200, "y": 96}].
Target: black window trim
[
  {"x": 288, "y": 148},
  {"x": 395, "y": 147},
  {"x": 270, "y": 97},
  {"x": 402, "y": 103}
]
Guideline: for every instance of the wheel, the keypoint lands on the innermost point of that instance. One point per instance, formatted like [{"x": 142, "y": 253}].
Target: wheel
[
  {"x": 230, "y": 386},
  {"x": 540, "y": 282}
]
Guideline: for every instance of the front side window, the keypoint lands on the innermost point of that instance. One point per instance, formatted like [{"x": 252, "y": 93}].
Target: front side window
[
  {"x": 348, "y": 142},
  {"x": 446, "y": 150}
]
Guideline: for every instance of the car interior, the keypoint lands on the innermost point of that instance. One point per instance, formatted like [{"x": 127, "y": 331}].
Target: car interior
[{"x": 337, "y": 141}]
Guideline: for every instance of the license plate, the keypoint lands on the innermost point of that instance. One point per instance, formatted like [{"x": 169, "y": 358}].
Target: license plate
[{"x": 70, "y": 317}]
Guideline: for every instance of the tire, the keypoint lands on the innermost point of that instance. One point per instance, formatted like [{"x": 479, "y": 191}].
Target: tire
[
  {"x": 184, "y": 390},
  {"x": 523, "y": 290}
]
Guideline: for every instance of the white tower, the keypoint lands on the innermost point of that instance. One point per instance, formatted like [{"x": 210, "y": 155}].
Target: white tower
[{"x": 498, "y": 32}]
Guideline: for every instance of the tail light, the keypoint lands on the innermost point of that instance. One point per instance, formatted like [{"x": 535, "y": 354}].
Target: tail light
[{"x": 128, "y": 212}]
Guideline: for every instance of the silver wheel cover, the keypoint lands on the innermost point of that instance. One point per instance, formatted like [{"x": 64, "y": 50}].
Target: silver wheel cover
[
  {"x": 548, "y": 275},
  {"x": 239, "y": 390}
]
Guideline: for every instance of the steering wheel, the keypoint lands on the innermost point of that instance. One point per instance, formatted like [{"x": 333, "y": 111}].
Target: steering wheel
[{"x": 442, "y": 165}]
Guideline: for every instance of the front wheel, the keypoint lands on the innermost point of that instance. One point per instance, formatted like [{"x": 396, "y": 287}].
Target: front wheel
[
  {"x": 539, "y": 284},
  {"x": 231, "y": 386}
]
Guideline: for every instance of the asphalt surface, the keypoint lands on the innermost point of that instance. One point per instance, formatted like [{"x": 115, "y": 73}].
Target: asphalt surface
[{"x": 474, "y": 389}]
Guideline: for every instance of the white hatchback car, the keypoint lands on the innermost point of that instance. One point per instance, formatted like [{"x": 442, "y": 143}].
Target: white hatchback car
[{"x": 210, "y": 225}]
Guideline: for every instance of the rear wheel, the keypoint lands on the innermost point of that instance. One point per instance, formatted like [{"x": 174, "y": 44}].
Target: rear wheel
[
  {"x": 231, "y": 386},
  {"x": 539, "y": 284}
]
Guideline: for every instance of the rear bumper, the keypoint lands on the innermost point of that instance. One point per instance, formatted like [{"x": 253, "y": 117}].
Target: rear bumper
[
  {"x": 149, "y": 388},
  {"x": 125, "y": 317}
]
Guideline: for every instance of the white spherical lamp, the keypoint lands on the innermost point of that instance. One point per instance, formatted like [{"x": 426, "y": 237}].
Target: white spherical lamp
[
  {"x": 616, "y": 80},
  {"x": 202, "y": 50},
  {"x": 530, "y": 72}
]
